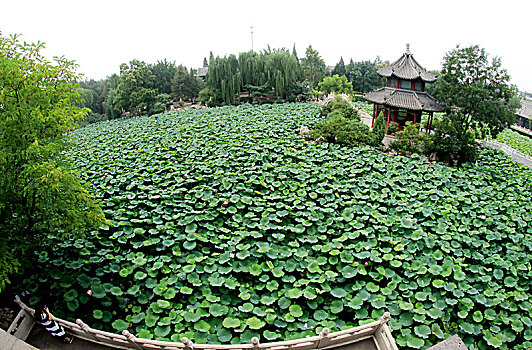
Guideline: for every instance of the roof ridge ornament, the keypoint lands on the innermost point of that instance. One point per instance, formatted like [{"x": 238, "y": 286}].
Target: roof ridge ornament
[{"x": 408, "y": 48}]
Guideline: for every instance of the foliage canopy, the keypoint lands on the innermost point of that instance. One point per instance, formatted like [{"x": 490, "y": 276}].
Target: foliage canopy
[
  {"x": 475, "y": 91},
  {"x": 39, "y": 195}
]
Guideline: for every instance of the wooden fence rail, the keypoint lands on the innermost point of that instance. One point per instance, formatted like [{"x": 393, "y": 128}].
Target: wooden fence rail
[{"x": 378, "y": 331}]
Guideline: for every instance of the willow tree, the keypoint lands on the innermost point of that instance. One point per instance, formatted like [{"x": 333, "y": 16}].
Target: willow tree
[
  {"x": 251, "y": 67},
  {"x": 224, "y": 78},
  {"x": 282, "y": 69}
]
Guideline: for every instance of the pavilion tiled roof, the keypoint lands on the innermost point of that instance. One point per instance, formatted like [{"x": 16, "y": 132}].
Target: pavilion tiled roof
[
  {"x": 407, "y": 99},
  {"x": 408, "y": 68},
  {"x": 526, "y": 109}
]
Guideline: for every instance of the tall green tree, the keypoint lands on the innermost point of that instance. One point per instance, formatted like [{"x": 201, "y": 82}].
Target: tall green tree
[
  {"x": 476, "y": 95},
  {"x": 224, "y": 78},
  {"x": 163, "y": 73},
  {"x": 364, "y": 76},
  {"x": 339, "y": 69},
  {"x": 282, "y": 69},
  {"x": 476, "y": 90},
  {"x": 136, "y": 91},
  {"x": 313, "y": 66},
  {"x": 251, "y": 66},
  {"x": 40, "y": 196},
  {"x": 110, "y": 105},
  {"x": 185, "y": 85},
  {"x": 337, "y": 84}
]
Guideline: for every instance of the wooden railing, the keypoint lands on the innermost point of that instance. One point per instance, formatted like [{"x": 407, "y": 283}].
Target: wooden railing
[{"x": 377, "y": 331}]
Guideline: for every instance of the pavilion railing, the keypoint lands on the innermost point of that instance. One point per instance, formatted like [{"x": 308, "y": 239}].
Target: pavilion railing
[{"x": 377, "y": 330}]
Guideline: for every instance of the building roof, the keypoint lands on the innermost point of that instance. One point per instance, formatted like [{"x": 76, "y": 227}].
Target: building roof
[
  {"x": 201, "y": 72},
  {"x": 407, "y": 67},
  {"x": 407, "y": 99},
  {"x": 525, "y": 110}
]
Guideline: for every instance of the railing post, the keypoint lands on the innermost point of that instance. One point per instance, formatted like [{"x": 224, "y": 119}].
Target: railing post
[
  {"x": 86, "y": 329},
  {"x": 131, "y": 339},
  {"x": 255, "y": 342},
  {"x": 24, "y": 306},
  {"x": 188, "y": 344},
  {"x": 324, "y": 338}
]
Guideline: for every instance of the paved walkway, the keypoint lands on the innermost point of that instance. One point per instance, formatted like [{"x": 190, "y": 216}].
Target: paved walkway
[
  {"x": 9, "y": 342},
  {"x": 515, "y": 154}
]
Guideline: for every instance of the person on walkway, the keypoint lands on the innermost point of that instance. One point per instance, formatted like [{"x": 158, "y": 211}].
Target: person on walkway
[{"x": 45, "y": 319}]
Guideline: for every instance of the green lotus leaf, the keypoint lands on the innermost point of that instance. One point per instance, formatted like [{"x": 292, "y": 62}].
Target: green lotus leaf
[
  {"x": 338, "y": 292},
  {"x": 218, "y": 310},
  {"x": 73, "y": 305},
  {"x": 337, "y": 306},
  {"x": 295, "y": 310},
  {"x": 293, "y": 293},
  {"x": 415, "y": 343},
  {"x": 271, "y": 335},
  {"x": 97, "y": 314},
  {"x": 422, "y": 331},
  {"x": 372, "y": 287},
  {"x": 255, "y": 323},
  {"x": 435, "y": 313},
  {"x": 192, "y": 316},
  {"x": 98, "y": 291},
  {"x": 161, "y": 331},
  {"x": 120, "y": 325},
  {"x": 202, "y": 326},
  {"x": 246, "y": 307},
  {"x": 230, "y": 322},
  {"x": 116, "y": 291},
  {"x": 467, "y": 327},
  {"x": 224, "y": 335}
]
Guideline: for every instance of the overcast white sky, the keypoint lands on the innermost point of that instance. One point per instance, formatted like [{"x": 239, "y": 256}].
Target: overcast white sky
[{"x": 100, "y": 35}]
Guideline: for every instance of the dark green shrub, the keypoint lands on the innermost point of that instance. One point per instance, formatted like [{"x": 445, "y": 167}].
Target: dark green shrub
[
  {"x": 379, "y": 130},
  {"x": 341, "y": 105},
  {"x": 343, "y": 131},
  {"x": 410, "y": 141},
  {"x": 392, "y": 128},
  {"x": 450, "y": 144}
]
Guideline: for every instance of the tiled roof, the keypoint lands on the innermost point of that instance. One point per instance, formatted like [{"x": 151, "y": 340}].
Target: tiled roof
[
  {"x": 526, "y": 109},
  {"x": 201, "y": 72},
  {"x": 407, "y": 67},
  {"x": 408, "y": 99}
]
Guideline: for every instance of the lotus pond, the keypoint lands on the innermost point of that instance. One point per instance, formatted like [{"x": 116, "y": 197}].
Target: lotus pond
[{"x": 226, "y": 225}]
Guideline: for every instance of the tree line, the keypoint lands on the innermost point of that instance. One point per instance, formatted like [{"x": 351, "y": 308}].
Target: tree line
[{"x": 250, "y": 77}]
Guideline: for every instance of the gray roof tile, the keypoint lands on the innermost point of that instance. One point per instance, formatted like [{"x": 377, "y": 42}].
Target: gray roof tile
[
  {"x": 413, "y": 100},
  {"x": 406, "y": 67}
]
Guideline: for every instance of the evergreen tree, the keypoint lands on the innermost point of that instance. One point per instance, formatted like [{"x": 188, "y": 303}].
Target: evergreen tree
[
  {"x": 294, "y": 53},
  {"x": 313, "y": 66},
  {"x": 205, "y": 63},
  {"x": 163, "y": 72},
  {"x": 339, "y": 69}
]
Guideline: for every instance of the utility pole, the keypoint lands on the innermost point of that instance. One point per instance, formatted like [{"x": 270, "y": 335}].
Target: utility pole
[{"x": 251, "y": 38}]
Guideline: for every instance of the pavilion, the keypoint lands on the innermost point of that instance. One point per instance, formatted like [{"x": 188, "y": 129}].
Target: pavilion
[{"x": 404, "y": 98}]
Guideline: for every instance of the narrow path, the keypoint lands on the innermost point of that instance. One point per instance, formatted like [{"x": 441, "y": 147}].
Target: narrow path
[{"x": 515, "y": 154}]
